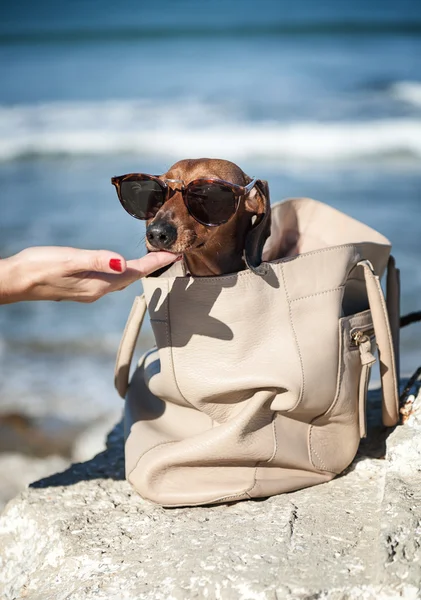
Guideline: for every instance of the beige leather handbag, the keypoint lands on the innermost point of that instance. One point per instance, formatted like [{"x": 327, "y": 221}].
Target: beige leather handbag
[{"x": 258, "y": 382}]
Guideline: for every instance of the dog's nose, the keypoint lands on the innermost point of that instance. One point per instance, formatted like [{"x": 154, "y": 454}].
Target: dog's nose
[{"x": 161, "y": 234}]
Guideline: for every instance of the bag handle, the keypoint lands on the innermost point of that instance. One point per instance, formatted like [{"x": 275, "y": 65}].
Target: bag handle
[
  {"x": 385, "y": 343},
  {"x": 127, "y": 345}
]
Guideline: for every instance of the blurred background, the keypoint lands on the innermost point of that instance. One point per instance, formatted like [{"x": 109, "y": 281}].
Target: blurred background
[{"x": 322, "y": 99}]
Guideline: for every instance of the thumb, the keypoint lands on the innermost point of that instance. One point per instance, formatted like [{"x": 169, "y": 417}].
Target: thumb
[{"x": 100, "y": 261}]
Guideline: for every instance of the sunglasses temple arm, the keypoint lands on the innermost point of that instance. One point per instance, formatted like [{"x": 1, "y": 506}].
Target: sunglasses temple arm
[{"x": 251, "y": 185}]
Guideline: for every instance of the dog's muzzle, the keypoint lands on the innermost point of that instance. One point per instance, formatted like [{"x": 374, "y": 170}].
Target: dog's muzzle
[{"x": 161, "y": 235}]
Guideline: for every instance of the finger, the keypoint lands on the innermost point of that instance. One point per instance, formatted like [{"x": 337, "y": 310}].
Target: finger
[
  {"x": 99, "y": 261},
  {"x": 151, "y": 262}
]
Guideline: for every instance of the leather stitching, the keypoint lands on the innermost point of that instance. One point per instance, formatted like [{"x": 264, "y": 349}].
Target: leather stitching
[
  {"x": 246, "y": 492},
  {"x": 170, "y": 348},
  {"x": 322, "y": 465},
  {"x": 147, "y": 452},
  {"x": 260, "y": 463},
  {"x": 254, "y": 482},
  {"x": 337, "y": 289},
  {"x": 296, "y": 341},
  {"x": 214, "y": 501},
  {"x": 342, "y": 348},
  {"x": 311, "y": 447},
  {"x": 275, "y": 441}
]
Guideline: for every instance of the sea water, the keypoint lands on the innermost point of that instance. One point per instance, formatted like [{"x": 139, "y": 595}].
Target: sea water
[{"x": 320, "y": 99}]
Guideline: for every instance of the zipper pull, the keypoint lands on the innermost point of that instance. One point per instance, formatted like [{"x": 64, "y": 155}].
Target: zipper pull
[
  {"x": 364, "y": 346},
  {"x": 363, "y": 341}
]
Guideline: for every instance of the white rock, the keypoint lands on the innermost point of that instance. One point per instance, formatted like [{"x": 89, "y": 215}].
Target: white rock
[{"x": 86, "y": 534}]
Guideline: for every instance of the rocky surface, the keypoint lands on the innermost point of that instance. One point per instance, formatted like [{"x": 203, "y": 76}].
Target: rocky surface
[{"x": 85, "y": 534}]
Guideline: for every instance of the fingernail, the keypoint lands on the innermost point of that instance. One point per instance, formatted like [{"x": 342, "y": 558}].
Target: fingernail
[{"x": 115, "y": 264}]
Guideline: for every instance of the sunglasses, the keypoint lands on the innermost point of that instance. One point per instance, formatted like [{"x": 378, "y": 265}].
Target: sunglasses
[{"x": 211, "y": 202}]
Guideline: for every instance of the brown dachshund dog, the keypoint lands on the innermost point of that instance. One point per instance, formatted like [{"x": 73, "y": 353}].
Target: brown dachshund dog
[{"x": 208, "y": 210}]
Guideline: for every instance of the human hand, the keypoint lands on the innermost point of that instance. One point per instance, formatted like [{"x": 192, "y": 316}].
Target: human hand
[{"x": 59, "y": 273}]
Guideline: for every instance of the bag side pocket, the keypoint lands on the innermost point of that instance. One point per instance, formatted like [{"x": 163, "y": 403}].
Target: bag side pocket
[{"x": 334, "y": 436}]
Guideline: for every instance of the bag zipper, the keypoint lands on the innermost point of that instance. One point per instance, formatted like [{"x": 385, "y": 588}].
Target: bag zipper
[
  {"x": 358, "y": 335},
  {"x": 361, "y": 339}
]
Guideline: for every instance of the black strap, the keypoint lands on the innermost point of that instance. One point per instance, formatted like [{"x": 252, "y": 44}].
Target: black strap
[{"x": 413, "y": 317}]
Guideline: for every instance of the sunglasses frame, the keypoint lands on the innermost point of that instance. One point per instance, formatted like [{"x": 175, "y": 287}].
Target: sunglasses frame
[{"x": 237, "y": 190}]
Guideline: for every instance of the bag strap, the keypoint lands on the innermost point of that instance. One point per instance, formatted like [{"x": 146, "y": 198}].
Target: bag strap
[
  {"x": 385, "y": 344},
  {"x": 393, "y": 292},
  {"x": 127, "y": 345}
]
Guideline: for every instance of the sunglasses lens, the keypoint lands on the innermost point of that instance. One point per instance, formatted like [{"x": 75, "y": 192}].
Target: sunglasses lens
[
  {"x": 210, "y": 203},
  {"x": 142, "y": 199}
]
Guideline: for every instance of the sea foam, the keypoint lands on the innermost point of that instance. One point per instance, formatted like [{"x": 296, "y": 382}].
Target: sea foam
[
  {"x": 408, "y": 91},
  {"x": 193, "y": 128}
]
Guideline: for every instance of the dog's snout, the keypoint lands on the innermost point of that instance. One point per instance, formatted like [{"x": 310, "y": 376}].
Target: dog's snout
[{"x": 161, "y": 234}]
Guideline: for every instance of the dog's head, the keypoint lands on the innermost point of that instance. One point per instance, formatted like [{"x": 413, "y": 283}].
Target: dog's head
[{"x": 174, "y": 229}]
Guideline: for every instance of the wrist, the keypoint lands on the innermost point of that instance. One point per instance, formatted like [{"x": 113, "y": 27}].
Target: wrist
[{"x": 14, "y": 283}]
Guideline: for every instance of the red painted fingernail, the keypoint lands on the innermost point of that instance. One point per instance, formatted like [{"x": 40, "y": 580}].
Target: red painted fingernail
[{"x": 115, "y": 264}]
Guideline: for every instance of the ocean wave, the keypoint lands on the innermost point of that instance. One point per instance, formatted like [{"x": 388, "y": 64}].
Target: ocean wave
[
  {"x": 193, "y": 128},
  {"x": 407, "y": 91}
]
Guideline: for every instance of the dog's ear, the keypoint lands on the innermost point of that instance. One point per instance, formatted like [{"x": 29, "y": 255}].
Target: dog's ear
[
  {"x": 256, "y": 199},
  {"x": 259, "y": 204}
]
